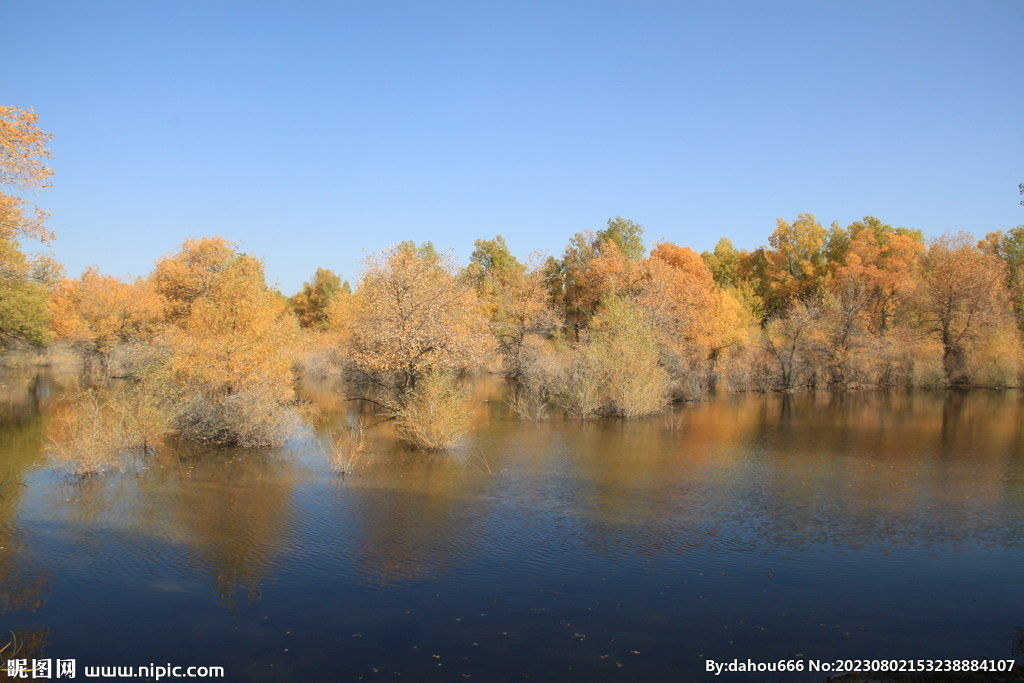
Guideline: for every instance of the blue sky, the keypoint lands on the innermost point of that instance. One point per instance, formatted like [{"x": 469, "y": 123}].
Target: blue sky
[{"x": 315, "y": 133}]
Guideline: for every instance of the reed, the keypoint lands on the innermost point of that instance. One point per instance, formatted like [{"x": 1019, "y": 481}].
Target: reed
[{"x": 347, "y": 445}]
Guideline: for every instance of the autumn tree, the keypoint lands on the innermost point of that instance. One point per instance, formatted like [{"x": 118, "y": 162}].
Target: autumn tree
[
  {"x": 416, "y": 314},
  {"x": 1009, "y": 247},
  {"x": 791, "y": 339},
  {"x": 414, "y": 324},
  {"x": 597, "y": 265},
  {"x": 229, "y": 338},
  {"x": 961, "y": 297},
  {"x": 514, "y": 298},
  {"x": 693, "y": 318},
  {"x": 870, "y": 230},
  {"x": 880, "y": 267},
  {"x": 569, "y": 277},
  {"x": 96, "y": 311},
  {"x": 313, "y": 303},
  {"x": 24, "y": 312},
  {"x": 23, "y": 156},
  {"x": 796, "y": 264},
  {"x": 872, "y": 269},
  {"x": 846, "y": 336}
]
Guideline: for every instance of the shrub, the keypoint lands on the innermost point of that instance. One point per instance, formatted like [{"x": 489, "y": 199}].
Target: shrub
[
  {"x": 96, "y": 426},
  {"x": 252, "y": 418},
  {"x": 432, "y": 415},
  {"x": 347, "y": 447},
  {"x": 614, "y": 371}
]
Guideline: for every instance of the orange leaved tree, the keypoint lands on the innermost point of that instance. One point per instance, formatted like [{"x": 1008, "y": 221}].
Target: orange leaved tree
[
  {"x": 96, "y": 311},
  {"x": 229, "y": 338},
  {"x": 694, "y": 320},
  {"x": 960, "y": 298},
  {"x": 23, "y": 156}
]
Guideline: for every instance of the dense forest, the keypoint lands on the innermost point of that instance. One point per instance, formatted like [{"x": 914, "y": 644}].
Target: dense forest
[{"x": 209, "y": 351}]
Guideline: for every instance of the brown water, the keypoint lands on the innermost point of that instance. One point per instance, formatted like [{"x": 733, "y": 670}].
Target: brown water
[{"x": 810, "y": 526}]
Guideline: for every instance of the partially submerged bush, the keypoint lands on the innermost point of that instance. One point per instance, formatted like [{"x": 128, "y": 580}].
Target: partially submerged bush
[
  {"x": 95, "y": 427},
  {"x": 253, "y": 418},
  {"x": 347, "y": 446},
  {"x": 432, "y": 415},
  {"x": 615, "y": 371},
  {"x": 228, "y": 338},
  {"x": 84, "y": 434}
]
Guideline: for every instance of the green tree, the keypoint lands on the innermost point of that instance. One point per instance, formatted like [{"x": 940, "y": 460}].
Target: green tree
[
  {"x": 312, "y": 304},
  {"x": 723, "y": 263},
  {"x": 492, "y": 257},
  {"x": 627, "y": 235},
  {"x": 1010, "y": 248}
]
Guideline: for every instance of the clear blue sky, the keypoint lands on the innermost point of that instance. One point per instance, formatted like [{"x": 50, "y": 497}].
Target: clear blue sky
[{"x": 314, "y": 133}]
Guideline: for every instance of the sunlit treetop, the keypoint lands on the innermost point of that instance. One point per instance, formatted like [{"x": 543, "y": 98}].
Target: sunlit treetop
[
  {"x": 627, "y": 235},
  {"x": 22, "y": 167},
  {"x": 23, "y": 150}
]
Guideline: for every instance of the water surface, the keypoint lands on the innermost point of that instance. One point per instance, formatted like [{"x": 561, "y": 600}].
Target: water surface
[{"x": 810, "y": 526}]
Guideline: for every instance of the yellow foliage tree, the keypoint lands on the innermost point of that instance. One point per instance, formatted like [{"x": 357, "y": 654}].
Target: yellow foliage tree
[
  {"x": 23, "y": 156},
  {"x": 96, "y": 311},
  {"x": 796, "y": 264},
  {"x": 415, "y": 315},
  {"x": 312, "y": 305},
  {"x": 878, "y": 271},
  {"x": 24, "y": 313},
  {"x": 229, "y": 337},
  {"x": 695, "y": 320},
  {"x": 961, "y": 297}
]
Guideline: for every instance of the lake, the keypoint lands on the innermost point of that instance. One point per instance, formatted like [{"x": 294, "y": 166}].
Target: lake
[{"x": 816, "y": 526}]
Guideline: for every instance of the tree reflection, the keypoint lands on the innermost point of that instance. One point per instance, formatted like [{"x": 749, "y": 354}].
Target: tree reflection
[
  {"x": 24, "y": 581},
  {"x": 230, "y": 509},
  {"x": 417, "y": 524},
  {"x": 856, "y": 469}
]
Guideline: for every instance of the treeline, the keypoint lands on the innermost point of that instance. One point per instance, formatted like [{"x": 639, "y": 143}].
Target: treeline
[{"x": 609, "y": 328}]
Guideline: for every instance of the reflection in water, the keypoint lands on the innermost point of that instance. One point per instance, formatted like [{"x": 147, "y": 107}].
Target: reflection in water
[
  {"x": 415, "y": 532},
  {"x": 751, "y": 530},
  {"x": 229, "y": 508},
  {"x": 24, "y": 578},
  {"x": 22, "y": 645}
]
